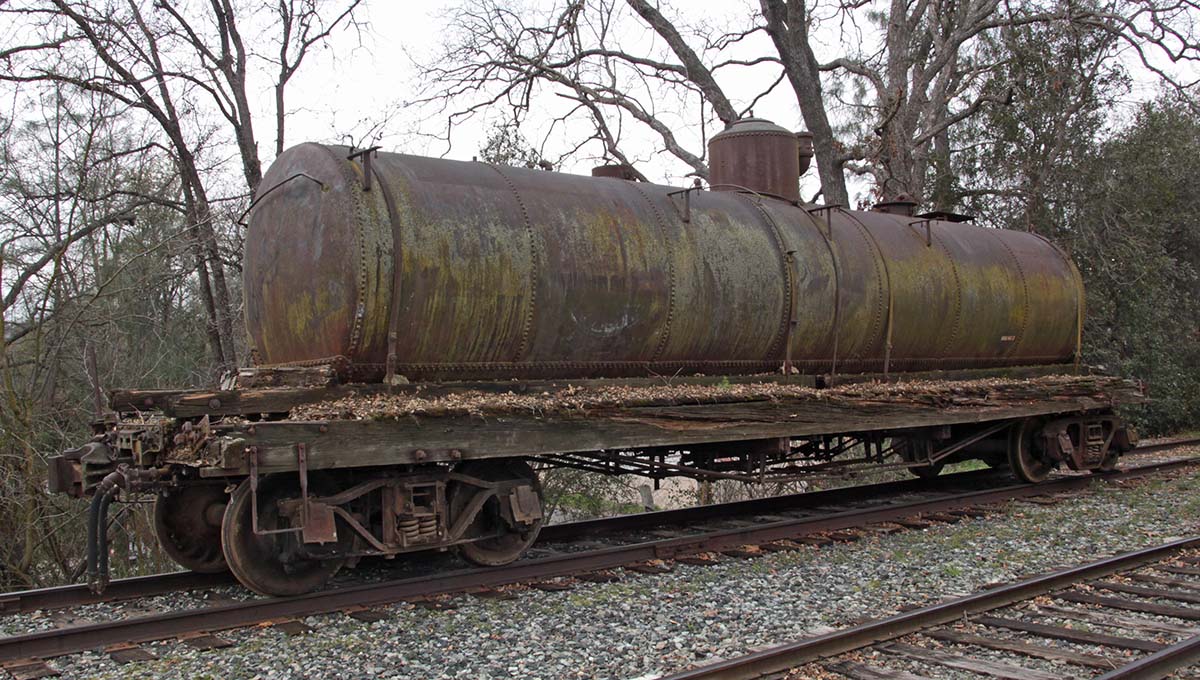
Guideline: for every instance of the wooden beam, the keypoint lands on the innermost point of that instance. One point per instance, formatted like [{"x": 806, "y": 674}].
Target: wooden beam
[
  {"x": 1053, "y": 653},
  {"x": 1083, "y": 637},
  {"x": 423, "y": 439},
  {"x": 973, "y": 665}
]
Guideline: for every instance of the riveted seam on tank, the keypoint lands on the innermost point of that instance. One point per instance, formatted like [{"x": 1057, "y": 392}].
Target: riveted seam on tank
[
  {"x": 781, "y": 333},
  {"x": 361, "y": 216},
  {"x": 891, "y": 293},
  {"x": 955, "y": 327},
  {"x": 527, "y": 326},
  {"x": 877, "y": 319},
  {"x": 1024, "y": 296},
  {"x": 666, "y": 236}
]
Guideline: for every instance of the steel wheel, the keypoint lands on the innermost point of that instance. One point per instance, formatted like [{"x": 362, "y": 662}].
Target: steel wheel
[
  {"x": 272, "y": 564},
  {"x": 1026, "y": 461},
  {"x": 187, "y": 522},
  {"x": 512, "y": 539}
]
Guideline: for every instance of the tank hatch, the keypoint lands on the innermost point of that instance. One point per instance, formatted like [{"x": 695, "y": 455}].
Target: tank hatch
[{"x": 756, "y": 155}]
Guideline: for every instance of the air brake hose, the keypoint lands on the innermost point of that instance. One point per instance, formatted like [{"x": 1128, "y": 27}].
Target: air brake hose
[{"x": 97, "y": 550}]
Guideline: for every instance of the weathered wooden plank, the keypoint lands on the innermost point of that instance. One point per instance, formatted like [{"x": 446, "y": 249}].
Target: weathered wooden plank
[
  {"x": 1165, "y": 580},
  {"x": 1115, "y": 620},
  {"x": 1183, "y": 571},
  {"x": 29, "y": 669},
  {"x": 861, "y": 671},
  {"x": 1069, "y": 634},
  {"x": 966, "y": 663},
  {"x": 194, "y": 403},
  {"x": 415, "y": 439},
  {"x": 278, "y": 399},
  {"x": 1024, "y": 648},
  {"x": 1188, "y": 613},
  {"x": 1177, "y": 595}
]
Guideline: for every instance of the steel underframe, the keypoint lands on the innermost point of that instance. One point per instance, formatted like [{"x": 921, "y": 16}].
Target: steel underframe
[{"x": 806, "y": 458}]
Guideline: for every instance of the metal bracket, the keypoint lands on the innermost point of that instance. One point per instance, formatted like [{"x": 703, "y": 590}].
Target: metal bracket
[
  {"x": 302, "y": 470},
  {"x": 828, "y": 210},
  {"x": 252, "y": 456},
  {"x": 686, "y": 213},
  {"x": 525, "y": 504},
  {"x": 364, "y": 159},
  {"x": 928, "y": 230}
]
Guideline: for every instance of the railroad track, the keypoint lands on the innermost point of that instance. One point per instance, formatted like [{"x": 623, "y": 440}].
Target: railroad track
[
  {"x": 60, "y": 597},
  {"x": 843, "y": 498},
  {"x": 195, "y": 626},
  {"x": 966, "y": 633}
]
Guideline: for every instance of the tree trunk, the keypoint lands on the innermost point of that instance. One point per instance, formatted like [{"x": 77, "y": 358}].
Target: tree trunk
[{"x": 786, "y": 24}]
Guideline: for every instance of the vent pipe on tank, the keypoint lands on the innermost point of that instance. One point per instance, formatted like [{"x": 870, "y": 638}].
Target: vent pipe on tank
[{"x": 754, "y": 154}]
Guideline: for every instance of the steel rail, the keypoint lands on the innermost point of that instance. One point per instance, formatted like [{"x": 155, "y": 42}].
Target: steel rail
[
  {"x": 1160, "y": 664},
  {"x": 783, "y": 657},
  {"x": 57, "y": 597},
  {"x": 1165, "y": 444},
  {"x": 45, "y": 644}
]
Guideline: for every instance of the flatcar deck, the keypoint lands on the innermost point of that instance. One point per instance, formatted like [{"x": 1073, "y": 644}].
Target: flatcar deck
[{"x": 374, "y": 428}]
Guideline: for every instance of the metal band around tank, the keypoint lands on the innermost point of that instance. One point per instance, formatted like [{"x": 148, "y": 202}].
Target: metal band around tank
[
  {"x": 956, "y": 327},
  {"x": 881, "y": 304},
  {"x": 783, "y": 333},
  {"x": 887, "y": 276},
  {"x": 393, "y": 327},
  {"x": 534, "y": 269},
  {"x": 837, "y": 281},
  {"x": 665, "y": 334}
]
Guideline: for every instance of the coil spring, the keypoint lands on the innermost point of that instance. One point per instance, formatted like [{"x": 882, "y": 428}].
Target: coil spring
[
  {"x": 416, "y": 529},
  {"x": 409, "y": 529},
  {"x": 428, "y": 526}
]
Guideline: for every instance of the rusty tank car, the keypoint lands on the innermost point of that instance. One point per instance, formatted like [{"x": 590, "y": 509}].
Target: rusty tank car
[
  {"x": 430, "y": 269},
  {"x": 426, "y": 331}
]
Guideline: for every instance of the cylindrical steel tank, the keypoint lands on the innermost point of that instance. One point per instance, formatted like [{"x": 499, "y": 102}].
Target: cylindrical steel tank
[{"x": 455, "y": 270}]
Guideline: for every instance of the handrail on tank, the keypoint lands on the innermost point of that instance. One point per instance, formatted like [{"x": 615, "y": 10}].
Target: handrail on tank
[{"x": 241, "y": 218}]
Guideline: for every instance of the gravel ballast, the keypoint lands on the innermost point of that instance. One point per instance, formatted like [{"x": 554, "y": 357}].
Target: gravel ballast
[{"x": 643, "y": 626}]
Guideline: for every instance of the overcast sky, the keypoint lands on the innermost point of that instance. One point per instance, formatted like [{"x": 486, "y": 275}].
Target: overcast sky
[
  {"x": 361, "y": 79},
  {"x": 352, "y": 86}
]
